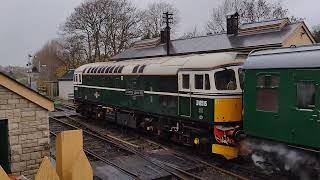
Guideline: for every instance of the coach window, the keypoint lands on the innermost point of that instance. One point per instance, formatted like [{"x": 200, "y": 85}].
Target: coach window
[
  {"x": 185, "y": 81},
  {"x": 225, "y": 80},
  {"x": 306, "y": 94},
  {"x": 267, "y": 92}
]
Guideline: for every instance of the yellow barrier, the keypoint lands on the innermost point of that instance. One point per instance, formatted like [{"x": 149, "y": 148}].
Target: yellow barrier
[
  {"x": 71, "y": 161},
  {"x": 82, "y": 168},
  {"x": 3, "y": 174},
  {"x": 46, "y": 171},
  {"x": 69, "y": 153}
]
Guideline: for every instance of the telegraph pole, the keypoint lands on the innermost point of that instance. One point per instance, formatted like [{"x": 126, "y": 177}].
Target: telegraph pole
[{"x": 168, "y": 20}]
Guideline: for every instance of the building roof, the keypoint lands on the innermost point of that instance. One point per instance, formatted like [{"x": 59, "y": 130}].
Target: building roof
[
  {"x": 263, "y": 23},
  {"x": 169, "y": 65},
  {"x": 216, "y": 43},
  {"x": 68, "y": 76},
  {"x": 25, "y": 92},
  {"x": 293, "y": 57}
]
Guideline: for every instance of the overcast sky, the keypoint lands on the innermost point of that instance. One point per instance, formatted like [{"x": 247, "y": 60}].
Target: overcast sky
[{"x": 25, "y": 25}]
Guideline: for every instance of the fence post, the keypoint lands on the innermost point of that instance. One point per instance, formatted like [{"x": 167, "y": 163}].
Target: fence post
[
  {"x": 69, "y": 144},
  {"x": 3, "y": 174},
  {"x": 46, "y": 171}
]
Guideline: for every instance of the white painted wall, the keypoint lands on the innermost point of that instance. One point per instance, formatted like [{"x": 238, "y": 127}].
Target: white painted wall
[{"x": 65, "y": 88}]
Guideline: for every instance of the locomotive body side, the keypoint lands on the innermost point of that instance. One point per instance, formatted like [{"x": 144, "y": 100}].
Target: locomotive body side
[{"x": 195, "y": 106}]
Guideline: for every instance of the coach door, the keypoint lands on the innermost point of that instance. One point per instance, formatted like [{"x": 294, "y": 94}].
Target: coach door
[
  {"x": 184, "y": 94},
  {"x": 305, "y": 119},
  {"x": 4, "y": 150}
]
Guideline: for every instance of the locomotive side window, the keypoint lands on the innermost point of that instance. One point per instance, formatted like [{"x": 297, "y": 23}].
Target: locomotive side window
[
  {"x": 141, "y": 68},
  {"x": 107, "y": 70},
  {"x": 225, "y": 80},
  {"x": 207, "y": 82},
  {"x": 267, "y": 93},
  {"x": 306, "y": 94},
  {"x": 185, "y": 81},
  {"x": 198, "y": 81},
  {"x": 120, "y": 69},
  {"x": 135, "y": 69}
]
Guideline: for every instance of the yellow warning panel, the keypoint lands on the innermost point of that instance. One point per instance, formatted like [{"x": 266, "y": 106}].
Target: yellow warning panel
[
  {"x": 3, "y": 174},
  {"x": 46, "y": 171},
  {"x": 228, "y": 110},
  {"x": 227, "y": 151}
]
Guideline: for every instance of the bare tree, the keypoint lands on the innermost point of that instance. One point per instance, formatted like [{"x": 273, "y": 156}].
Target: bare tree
[
  {"x": 191, "y": 34},
  {"x": 47, "y": 61},
  {"x": 249, "y": 11},
  {"x": 87, "y": 20},
  {"x": 123, "y": 25},
  {"x": 153, "y": 21},
  {"x": 74, "y": 51}
]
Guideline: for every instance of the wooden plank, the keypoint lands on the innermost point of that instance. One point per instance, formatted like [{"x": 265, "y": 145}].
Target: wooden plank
[
  {"x": 68, "y": 146},
  {"x": 3, "y": 174},
  {"x": 81, "y": 168},
  {"x": 46, "y": 171}
]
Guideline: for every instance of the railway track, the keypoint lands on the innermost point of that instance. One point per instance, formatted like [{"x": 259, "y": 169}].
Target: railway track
[
  {"x": 151, "y": 151},
  {"x": 147, "y": 147},
  {"x": 138, "y": 141},
  {"x": 167, "y": 168}
]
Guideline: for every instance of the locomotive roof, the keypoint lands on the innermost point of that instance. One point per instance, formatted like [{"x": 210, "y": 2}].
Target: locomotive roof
[
  {"x": 293, "y": 57},
  {"x": 169, "y": 65}
]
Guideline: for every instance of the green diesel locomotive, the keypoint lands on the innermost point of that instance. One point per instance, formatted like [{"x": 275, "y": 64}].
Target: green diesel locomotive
[
  {"x": 194, "y": 99},
  {"x": 197, "y": 99}
]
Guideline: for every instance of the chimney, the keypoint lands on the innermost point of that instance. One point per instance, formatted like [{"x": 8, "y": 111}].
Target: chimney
[
  {"x": 233, "y": 23},
  {"x": 163, "y": 37}
]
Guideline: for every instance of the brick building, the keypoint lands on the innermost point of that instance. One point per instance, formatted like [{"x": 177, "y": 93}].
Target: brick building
[{"x": 24, "y": 127}]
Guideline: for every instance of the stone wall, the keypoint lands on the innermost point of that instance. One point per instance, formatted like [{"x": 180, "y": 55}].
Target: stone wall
[{"x": 28, "y": 132}]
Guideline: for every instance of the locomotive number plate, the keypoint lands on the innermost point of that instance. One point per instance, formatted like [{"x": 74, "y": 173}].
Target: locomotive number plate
[{"x": 201, "y": 103}]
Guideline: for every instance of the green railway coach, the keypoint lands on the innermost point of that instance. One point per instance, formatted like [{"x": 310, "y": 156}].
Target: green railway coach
[
  {"x": 193, "y": 99},
  {"x": 282, "y": 96}
]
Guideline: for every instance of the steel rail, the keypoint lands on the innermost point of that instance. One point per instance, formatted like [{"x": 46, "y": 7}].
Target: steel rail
[
  {"x": 182, "y": 154},
  {"x": 182, "y": 174},
  {"x": 103, "y": 159}
]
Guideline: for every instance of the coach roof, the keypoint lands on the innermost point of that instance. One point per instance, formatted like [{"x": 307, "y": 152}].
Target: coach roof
[{"x": 293, "y": 57}]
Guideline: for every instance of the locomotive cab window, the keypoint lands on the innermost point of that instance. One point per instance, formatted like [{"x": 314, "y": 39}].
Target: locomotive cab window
[
  {"x": 225, "y": 80},
  {"x": 185, "y": 81},
  {"x": 306, "y": 94},
  {"x": 267, "y": 92},
  {"x": 202, "y": 81}
]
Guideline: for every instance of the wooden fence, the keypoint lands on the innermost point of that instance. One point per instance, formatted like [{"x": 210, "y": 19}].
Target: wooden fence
[{"x": 71, "y": 161}]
